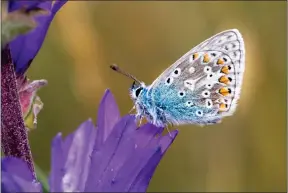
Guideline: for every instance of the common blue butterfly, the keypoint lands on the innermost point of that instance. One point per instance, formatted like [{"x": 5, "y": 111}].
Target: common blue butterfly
[{"x": 201, "y": 87}]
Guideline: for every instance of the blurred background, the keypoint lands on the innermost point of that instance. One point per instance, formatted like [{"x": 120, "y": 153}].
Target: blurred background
[{"x": 246, "y": 152}]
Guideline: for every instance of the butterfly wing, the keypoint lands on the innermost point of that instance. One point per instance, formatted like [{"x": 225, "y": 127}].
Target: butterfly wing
[{"x": 203, "y": 85}]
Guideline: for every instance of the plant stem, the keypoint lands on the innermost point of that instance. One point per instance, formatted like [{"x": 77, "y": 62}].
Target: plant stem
[{"x": 14, "y": 136}]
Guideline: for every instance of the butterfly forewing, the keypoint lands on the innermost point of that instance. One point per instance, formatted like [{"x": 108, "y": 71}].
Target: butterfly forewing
[{"x": 203, "y": 85}]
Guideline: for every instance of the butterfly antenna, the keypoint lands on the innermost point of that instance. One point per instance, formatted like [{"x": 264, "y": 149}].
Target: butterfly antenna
[{"x": 117, "y": 69}]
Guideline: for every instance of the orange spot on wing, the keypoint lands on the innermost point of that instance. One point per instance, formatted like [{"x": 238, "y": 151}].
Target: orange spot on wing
[
  {"x": 206, "y": 58},
  {"x": 220, "y": 61},
  {"x": 225, "y": 69},
  {"x": 195, "y": 56},
  {"x": 223, "y": 107},
  {"x": 224, "y": 91},
  {"x": 224, "y": 79}
]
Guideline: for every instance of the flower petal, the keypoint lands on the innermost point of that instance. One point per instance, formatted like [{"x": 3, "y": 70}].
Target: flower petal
[
  {"x": 77, "y": 164},
  {"x": 142, "y": 181},
  {"x": 100, "y": 159},
  {"x": 108, "y": 116},
  {"x": 133, "y": 141},
  {"x": 125, "y": 161},
  {"x": 32, "y": 41},
  {"x": 147, "y": 133},
  {"x": 16, "y": 166},
  {"x": 13, "y": 183},
  {"x": 57, "y": 5},
  {"x": 165, "y": 141},
  {"x": 14, "y": 5},
  {"x": 57, "y": 162},
  {"x": 16, "y": 176},
  {"x": 126, "y": 149},
  {"x": 131, "y": 169}
]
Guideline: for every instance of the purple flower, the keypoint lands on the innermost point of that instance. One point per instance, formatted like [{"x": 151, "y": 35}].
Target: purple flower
[
  {"x": 17, "y": 177},
  {"x": 114, "y": 156},
  {"x": 25, "y": 47},
  {"x": 20, "y": 100}
]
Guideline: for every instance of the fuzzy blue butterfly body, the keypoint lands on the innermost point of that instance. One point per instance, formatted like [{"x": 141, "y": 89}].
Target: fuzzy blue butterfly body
[{"x": 202, "y": 87}]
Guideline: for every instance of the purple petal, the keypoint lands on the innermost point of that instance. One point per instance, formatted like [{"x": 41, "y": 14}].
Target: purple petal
[
  {"x": 9, "y": 184},
  {"x": 167, "y": 140},
  {"x": 14, "y": 5},
  {"x": 57, "y": 5},
  {"x": 32, "y": 41},
  {"x": 126, "y": 147},
  {"x": 108, "y": 116},
  {"x": 16, "y": 177},
  {"x": 56, "y": 164},
  {"x": 72, "y": 170},
  {"x": 101, "y": 159},
  {"x": 78, "y": 161},
  {"x": 131, "y": 169},
  {"x": 16, "y": 166},
  {"x": 141, "y": 182},
  {"x": 143, "y": 179},
  {"x": 124, "y": 158},
  {"x": 147, "y": 133},
  {"x": 12, "y": 183},
  {"x": 67, "y": 142}
]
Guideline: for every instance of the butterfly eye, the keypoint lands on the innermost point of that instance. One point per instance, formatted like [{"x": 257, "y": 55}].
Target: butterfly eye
[
  {"x": 199, "y": 113},
  {"x": 138, "y": 91}
]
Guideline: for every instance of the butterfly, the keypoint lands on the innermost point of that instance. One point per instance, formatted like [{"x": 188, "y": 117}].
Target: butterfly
[{"x": 201, "y": 87}]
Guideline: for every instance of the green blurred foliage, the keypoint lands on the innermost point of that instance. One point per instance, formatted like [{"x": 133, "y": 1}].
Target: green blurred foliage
[
  {"x": 246, "y": 152},
  {"x": 15, "y": 24}
]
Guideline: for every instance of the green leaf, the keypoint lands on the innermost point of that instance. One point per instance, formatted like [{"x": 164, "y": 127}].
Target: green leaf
[
  {"x": 42, "y": 177},
  {"x": 17, "y": 23}
]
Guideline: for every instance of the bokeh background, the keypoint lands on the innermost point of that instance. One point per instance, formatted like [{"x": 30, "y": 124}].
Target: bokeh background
[{"x": 246, "y": 152}]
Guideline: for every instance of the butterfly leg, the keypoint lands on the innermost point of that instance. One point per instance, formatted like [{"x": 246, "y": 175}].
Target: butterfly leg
[
  {"x": 132, "y": 109},
  {"x": 168, "y": 131},
  {"x": 139, "y": 118}
]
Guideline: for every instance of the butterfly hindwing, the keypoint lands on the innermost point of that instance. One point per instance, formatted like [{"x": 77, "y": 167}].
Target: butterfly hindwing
[{"x": 203, "y": 85}]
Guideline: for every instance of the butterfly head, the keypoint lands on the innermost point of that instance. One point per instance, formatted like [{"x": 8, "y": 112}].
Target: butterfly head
[{"x": 137, "y": 89}]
